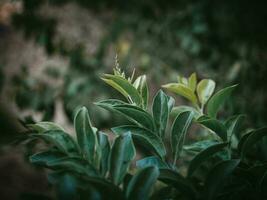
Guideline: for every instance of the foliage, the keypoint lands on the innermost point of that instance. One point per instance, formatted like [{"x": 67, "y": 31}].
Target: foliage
[{"x": 228, "y": 165}]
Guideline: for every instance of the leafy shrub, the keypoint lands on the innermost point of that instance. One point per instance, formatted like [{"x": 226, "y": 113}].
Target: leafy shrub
[{"x": 228, "y": 165}]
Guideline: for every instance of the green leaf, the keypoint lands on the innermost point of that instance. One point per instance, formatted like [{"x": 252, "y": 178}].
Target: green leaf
[
  {"x": 182, "y": 90},
  {"x": 179, "y": 130},
  {"x": 151, "y": 161},
  {"x": 192, "y": 82},
  {"x": 214, "y": 125},
  {"x": 233, "y": 125},
  {"x": 180, "y": 183},
  {"x": 86, "y": 136},
  {"x": 121, "y": 155},
  {"x": 41, "y": 127},
  {"x": 141, "y": 85},
  {"x": 105, "y": 150},
  {"x": 124, "y": 87},
  {"x": 74, "y": 164},
  {"x": 141, "y": 184},
  {"x": 133, "y": 113},
  {"x": 217, "y": 100},
  {"x": 148, "y": 139},
  {"x": 106, "y": 188},
  {"x": 160, "y": 112},
  {"x": 42, "y": 158},
  {"x": 61, "y": 140},
  {"x": 217, "y": 176},
  {"x": 205, "y": 89},
  {"x": 171, "y": 103},
  {"x": 252, "y": 139},
  {"x": 204, "y": 155}
]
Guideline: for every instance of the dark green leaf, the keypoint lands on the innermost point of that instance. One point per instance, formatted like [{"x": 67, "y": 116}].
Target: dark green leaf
[
  {"x": 174, "y": 179},
  {"x": 217, "y": 100},
  {"x": 179, "y": 130},
  {"x": 216, "y": 177},
  {"x": 145, "y": 137},
  {"x": 121, "y": 155},
  {"x": 61, "y": 140},
  {"x": 133, "y": 113},
  {"x": 252, "y": 139},
  {"x": 160, "y": 112},
  {"x": 86, "y": 137},
  {"x": 233, "y": 125},
  {"x": 204, "y": 155},
  {"x": 105, "y": 150},
  {"x": 214, "y": 125},
  {"x": 141, "y": 184}
]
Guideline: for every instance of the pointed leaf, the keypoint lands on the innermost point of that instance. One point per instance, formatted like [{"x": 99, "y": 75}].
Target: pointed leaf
[
  {"x": 233, "y": 125},
  {"x": 61, "y": 140},
  {"x": 41, "y": 127},
  {"x": 124, "y": 87},
  {"x": 215, "y": 126},
  {"x": 148, "y": 139},
  {"x": 179, "y": 130},
  {"x": 121, "y": 155},
  {"x": 204, "y": 155},
  {"x": 141, "y": 184},
  {"x": 182, "y": 90},
  {"x": 216, "y": 177},
  {"x": 160, "y": 112},
  {"x": 192, "y": 82},
  {"x": 252, "y": 139},
  {"x": 205, "y": 89},
  {"x": 86, "y": 136},
  {"x": 141, "y": 85},
  {"x": 133, "y": 113},
  {"x": 217, "y": 100}
]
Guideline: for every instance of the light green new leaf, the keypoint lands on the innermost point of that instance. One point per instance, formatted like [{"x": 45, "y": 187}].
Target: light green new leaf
[
  {"x": 141, "y": 85},
  {"x": 214, "y": 125},
  {"x": 252, "y": 139},
  {"x": 171, "y": 177},
  {"x": 124, "y": 87},
  {"x": 145, "y": 137},
  {"x": 205, "y": 89},
  {"x": 179, "y": 130},
  {"x": 217, "y": 100},
  {"x": 151, "y": 161},
  {"x": 86, "y": 136},
  {"x": 41, "y": 127},
  {"x": 160, "y": 112},
  {"x": 217, "y": 176},
  {"x": 121, "y": 155},
  {"x": 182, "y": 90},
  {"x": 133, "y": 113},
  {"x": 203, "y": 156},
  {"x": 141, "y": 183},
  {"x": 192, "y": 82}
]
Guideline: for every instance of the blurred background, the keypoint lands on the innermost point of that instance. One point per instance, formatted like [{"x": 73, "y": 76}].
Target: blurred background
[{"x": 53, "y": 51}]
